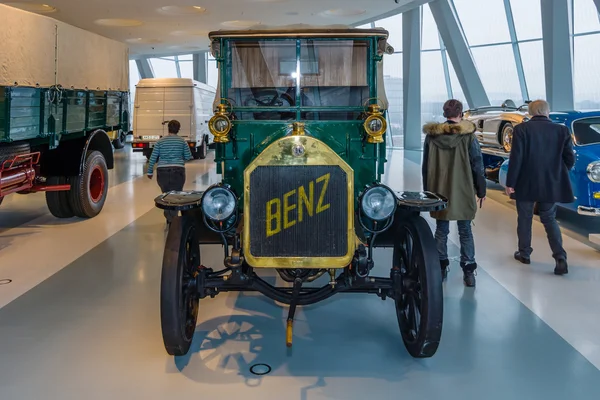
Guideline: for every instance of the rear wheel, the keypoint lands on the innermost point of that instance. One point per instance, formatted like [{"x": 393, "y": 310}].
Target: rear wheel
[
  {"x": 59, "y": 203},
  {"x": 89, "y": 190},
  {"x": 178, "y": 292},
  {"x": 419, "y": 301}
]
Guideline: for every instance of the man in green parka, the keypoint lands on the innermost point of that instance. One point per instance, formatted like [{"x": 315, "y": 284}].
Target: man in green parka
[{"x": 453, "y": 168}]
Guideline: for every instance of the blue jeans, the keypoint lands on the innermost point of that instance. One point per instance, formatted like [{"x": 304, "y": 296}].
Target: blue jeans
[{"x": 467, "y": 244}]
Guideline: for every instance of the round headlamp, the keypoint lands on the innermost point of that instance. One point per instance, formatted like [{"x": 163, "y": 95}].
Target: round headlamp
[
  {"x": 375, "y": 126},
  {"x": 378, "y": 203},
  {"x": 219, "y": 126},
  {"x": 593, "y": 171},
  {"x": 219, "y": 203}
]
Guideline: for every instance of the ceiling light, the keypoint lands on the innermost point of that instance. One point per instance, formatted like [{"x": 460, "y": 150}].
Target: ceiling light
[
  {"x": 182, "y": 10},
  {"x": 240, "y": 24},
  {"x": 185, "y": 47},
  {"x": 143, "y": 41},
  {"x": 191, "y": 32},
  {"x": 33, "y": 7},
  {"x": 340, "y": 12},
  {"x": 118, "y": 22}
]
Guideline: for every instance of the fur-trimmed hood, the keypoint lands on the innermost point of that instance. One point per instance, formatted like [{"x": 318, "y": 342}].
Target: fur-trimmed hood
[{"x": 463, "y": 127}]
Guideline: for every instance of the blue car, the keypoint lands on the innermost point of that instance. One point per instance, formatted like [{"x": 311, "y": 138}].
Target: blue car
[{"x": 585, "y": 175}]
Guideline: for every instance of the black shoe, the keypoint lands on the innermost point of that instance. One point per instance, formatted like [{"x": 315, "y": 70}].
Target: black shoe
[
  {"x": 469, "y": 274},
  {"x": 561, "y": 267},
  {"x": 444, "y": 264},
  {"x": 522, "y": 258}
]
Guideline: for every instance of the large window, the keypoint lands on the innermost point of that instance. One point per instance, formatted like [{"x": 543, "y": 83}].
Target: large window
[
  {"x": 484, "y": 21},
  {"x": 527, "y": 15},
  {"x": 433, "y": 87},
  {"x": 505, "y": 39},
  {"x": 498, "y": 73},
  {"x": 430, "y": 39},
  {"x": 585, "y": 16},
  {"x": 394, "y": 89},
  {"x": 586, "y": 76},
  {"x": 134, "y": 78},
  {"x": 392, "y": 78},
  {"x": 212, "y": 71},
  {"x": 164, "y": 67},
  {"x": 532, "y": 55}
]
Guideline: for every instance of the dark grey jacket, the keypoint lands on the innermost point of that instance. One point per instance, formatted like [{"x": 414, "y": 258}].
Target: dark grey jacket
[{"x": 540, "y": 160}]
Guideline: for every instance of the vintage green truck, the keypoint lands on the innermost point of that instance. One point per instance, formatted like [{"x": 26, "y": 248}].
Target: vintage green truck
[
  {"x": 300, "y": 128},
  {"x": 61, "y": 112}
]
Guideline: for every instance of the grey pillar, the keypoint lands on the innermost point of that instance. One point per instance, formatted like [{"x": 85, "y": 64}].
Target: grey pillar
[
  {"x": 459, "y": 52},
  {"x": 144, "y": 68},
  {"x": 200, "y": 73},
  {"x": 558, "y": 53},
  {"x": 411, "y": 77}
]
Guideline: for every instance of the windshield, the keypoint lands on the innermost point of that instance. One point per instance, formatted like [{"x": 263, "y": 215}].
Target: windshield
[
  {"x": 287, "y": 74},
  {"x": 587, "y": 131}
]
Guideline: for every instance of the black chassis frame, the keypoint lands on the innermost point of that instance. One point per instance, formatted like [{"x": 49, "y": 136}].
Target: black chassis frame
[{"x": 243, "y": 277}]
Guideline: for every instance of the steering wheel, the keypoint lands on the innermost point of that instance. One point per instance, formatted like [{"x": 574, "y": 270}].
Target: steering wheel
[{"x": 270, "y": 98}]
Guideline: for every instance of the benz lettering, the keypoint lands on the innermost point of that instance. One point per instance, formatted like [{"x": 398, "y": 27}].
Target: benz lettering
[{"x": 280, "y": 210}]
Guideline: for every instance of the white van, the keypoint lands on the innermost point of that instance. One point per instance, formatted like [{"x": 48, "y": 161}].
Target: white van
[{"x": 159, "y": 100}]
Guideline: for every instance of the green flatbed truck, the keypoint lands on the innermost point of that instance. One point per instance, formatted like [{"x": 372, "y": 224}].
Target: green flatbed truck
[
  {"x": 60, "y": 142},
  {"x": 62, "y": 111}
]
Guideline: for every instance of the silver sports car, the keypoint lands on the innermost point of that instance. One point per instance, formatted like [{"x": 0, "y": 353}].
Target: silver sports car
[{"x": 495, "y": 124}]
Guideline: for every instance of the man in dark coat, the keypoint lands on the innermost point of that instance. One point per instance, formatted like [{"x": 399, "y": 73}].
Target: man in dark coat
[
  {"x": 453, "y": 168},
  {"x": 538, "y": 172}
]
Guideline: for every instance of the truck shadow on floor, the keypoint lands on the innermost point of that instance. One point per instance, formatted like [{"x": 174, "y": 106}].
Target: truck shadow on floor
[{"x": 342, "y": 337}]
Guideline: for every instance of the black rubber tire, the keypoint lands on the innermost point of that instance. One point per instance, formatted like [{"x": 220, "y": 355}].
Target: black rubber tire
[
  {"x": 119, "y": 142},
  {"x": 199, "y": 153},
  {"x": 426, "y": 270},
  {"x": 8, "y": 152},
  {"x": 83, "y": 203},
  {"x": 59, "y": 203},
  {"x": 178, "y": 314},
  {"x": 505, "y": 147},
  {"x": 203, "y": 150}
]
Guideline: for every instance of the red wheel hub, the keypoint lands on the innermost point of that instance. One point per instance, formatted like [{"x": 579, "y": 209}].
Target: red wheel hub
[{"x": 97, "y": 182}]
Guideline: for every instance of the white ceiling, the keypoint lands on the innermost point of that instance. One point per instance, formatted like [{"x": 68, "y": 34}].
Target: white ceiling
[{"x": 159, "y": 32}]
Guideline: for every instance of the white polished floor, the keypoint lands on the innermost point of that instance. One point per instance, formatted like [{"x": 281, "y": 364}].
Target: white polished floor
[{"x": 80, "y": 318}]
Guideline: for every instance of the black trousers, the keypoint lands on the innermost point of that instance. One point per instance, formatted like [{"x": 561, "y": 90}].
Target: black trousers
[
  {"x": 170, "y": 178},
  {"x": 547, "y": 213}
]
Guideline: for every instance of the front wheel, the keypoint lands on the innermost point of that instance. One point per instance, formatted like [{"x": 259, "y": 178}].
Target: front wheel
[
  {"x": 201, "y": 152},
  {"x": 419, "y": 297},
  {"x": 178, "y": 292},
  {"x": 89, "y": 189},
  {"x": 119, "y": 142},
  {"x": 506, "y": 136}
]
